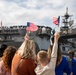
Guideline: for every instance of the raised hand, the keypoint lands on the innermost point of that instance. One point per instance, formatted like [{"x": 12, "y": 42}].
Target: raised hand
[
  {"x": 56, "y": 36},
  {"x": 26, "y": 37}
]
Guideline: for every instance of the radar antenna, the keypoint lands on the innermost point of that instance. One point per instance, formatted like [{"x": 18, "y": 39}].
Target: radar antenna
[{"x": 67, "y": 21}]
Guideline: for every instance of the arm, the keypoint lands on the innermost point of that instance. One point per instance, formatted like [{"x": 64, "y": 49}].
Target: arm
[
  {"x": 54, "y": 51},
  {"x": 2, "y": 70},
  {"x": 26, "y": 38},
  {"x": 53, "y": 56}
]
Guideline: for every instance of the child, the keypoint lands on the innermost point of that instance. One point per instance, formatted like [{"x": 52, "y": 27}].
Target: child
[{"x": 45, "y": 67}]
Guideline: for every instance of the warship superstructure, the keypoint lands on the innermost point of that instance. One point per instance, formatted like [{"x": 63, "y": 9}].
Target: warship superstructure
[{"x": 68, "y": 31}]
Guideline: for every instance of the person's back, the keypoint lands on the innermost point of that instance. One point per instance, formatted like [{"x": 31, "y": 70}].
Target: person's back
[
  {"x": 74, "y": 66},
  {"x": 63, "y": 67},
  {"x": 3, "y": 70},
  {"x": 26, "y": 66},
  {"x": 23, "y": 62}
]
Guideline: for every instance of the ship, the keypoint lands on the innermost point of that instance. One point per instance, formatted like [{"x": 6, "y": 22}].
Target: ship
[{"x": 14, "y": 35}]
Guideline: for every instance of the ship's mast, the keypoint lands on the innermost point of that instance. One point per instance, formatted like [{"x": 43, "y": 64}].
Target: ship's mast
[
  {"x": 67, "y": 22},
  {"x": 66, "y": 18}
]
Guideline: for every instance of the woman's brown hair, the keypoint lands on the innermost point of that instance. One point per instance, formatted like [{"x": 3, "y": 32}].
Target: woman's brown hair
[
  {"x": 59, "y": 54},
  {"x": 8, "y": 56}
]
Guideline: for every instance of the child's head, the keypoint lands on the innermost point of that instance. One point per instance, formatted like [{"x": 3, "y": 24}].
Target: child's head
[{"x": 42, "y": 57}]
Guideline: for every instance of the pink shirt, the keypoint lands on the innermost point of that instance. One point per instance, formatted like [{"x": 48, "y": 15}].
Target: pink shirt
[{"x": 3, "y": 70}]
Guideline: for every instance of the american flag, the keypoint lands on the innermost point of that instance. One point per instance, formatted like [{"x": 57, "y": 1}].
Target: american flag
[
  {"x": 56, "y": 20},
  {"x": 31, "y": 27}
]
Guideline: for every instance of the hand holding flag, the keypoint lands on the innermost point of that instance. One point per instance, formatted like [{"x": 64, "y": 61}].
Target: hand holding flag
[
  {"x": 56, "y": 21},
  {"x": 26, "y": 37}
]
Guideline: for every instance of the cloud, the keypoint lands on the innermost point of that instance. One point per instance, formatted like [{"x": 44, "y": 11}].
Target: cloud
[{"x": 41, "y": 12}]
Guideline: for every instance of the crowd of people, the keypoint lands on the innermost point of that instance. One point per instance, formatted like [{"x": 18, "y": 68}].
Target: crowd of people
[{"x": 25, "y": 61}]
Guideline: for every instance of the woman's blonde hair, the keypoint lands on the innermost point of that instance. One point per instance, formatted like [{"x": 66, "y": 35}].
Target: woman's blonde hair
[{"x": 27, "y": 49}]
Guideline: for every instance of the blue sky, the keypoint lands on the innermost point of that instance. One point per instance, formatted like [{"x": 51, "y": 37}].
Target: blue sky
[{"x": 40, "y": 12}]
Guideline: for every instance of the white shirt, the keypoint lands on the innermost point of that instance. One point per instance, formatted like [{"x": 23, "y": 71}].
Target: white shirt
[{"x": 49, "y": 69}]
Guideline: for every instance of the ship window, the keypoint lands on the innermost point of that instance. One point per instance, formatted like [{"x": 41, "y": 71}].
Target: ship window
[
  {"x": 66, "y": 48},
  {"x": 63, "y": 48},
  {"x": 14, "y": 30},
  {"x": 0, "y": 31},
  {"x": 6, "y": 30}
]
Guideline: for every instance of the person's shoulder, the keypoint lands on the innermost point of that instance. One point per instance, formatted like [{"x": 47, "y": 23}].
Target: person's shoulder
[
  {"x": 74, "y": 60},
  {"x": 27, "y": 61},
  {"x": 39, "y": 70},
  {"x": 64, "y": 58},
  {"x": 1, "y": 64},
  {"x": 0, "y": 58}
]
